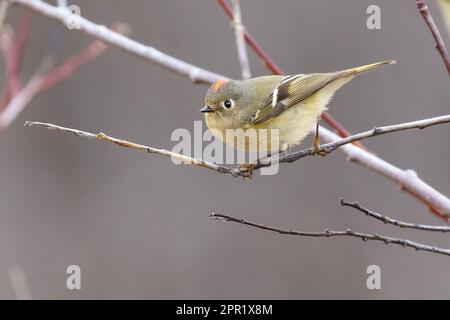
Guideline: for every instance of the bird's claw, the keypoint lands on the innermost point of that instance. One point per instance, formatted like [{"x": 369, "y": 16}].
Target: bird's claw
[{"x": 246, "y": 170}]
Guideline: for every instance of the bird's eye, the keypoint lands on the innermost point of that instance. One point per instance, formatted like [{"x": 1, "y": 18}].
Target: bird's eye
[{"x": 228, "y": 103}]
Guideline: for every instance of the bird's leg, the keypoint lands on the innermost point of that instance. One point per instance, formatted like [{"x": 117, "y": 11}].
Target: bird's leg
[{"x": 316, "y": 146}]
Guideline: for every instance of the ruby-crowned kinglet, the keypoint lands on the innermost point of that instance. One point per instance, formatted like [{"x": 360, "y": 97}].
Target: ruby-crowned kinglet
[{"x": 290, "y": 104}]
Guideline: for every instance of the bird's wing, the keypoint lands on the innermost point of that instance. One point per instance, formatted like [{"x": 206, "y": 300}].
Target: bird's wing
[{"x": 290, "y": 91}]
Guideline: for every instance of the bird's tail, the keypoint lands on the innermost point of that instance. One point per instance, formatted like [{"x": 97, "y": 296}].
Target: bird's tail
[{"x": 369, "y": 67}]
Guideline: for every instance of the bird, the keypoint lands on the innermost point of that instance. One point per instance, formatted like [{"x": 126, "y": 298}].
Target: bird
[{"x": 290, "y": 104}]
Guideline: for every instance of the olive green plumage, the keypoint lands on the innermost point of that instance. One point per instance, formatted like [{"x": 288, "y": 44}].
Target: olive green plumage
[{"x": 290, "y": 104}]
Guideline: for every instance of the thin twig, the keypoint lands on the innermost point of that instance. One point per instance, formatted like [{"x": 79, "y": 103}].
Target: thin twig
[
  {"x": 127, "y": 144},
  {"x": 330, "y": 147},
  {"x": 331, "y": 233},
  {"x": 240, "y": 41},
  {"x": 440, "y": 45},
  {"x": 388, "y": 220}
]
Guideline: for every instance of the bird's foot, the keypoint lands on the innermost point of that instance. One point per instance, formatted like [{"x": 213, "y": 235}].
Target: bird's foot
[
  {"x": 318, "y": 151},
  {"x": 247, "y": 170}
]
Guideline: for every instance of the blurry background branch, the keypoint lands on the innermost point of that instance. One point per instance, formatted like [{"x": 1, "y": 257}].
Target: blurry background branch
[
  {"x": 16, "y": 97},
  {"x": 407, "y": 179},
  {"x": 348, "y": 232},
  {"x": 240, "y": 41},
  {"x": 440, "y": 45},
  {"x": 19, "y": 283}
]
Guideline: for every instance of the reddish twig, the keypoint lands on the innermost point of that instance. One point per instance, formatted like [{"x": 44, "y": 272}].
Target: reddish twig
[
  {"x": 13, "y": 84},
  {"x": 13, "y": 51},
  {"x": 23, "y": 37},
  {"x": 440, "y": 46},
  {"x": 275, "y": 69},
  {"x": 75, "y": 62},
  {"x": 72, "y": 64},
  {"x": 13, "y": 104},
  {"x": 22, "y": 99}
]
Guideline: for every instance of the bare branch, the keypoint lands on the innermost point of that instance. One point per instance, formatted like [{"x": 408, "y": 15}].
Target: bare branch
[
  {"x": 240, "y": 41},
  {"x": 394, "y": 222},
  {"x": 117, "y": 40},
  {"x": 440, "y": 45},
  {"x": 127, "y": 144},
  {"x": 330, "y": 147},
  {"x": 330, "y": 234}
]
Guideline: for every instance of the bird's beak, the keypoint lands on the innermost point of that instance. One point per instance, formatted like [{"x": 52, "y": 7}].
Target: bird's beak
[{"x": 206, "y": 109}]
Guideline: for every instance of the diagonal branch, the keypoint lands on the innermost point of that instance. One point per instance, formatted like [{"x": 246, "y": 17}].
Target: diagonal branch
[
  {"x": 330, "y": 234},
  {"x": 131, "y": 145},
  {"x": 440, "y": 45},
  {"x": 331, "y": 146},
  {"x": 387, "y": 220}
]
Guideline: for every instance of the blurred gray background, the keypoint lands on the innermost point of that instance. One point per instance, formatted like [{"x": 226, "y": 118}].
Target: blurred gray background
[{"x": 138, "y": 226}]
